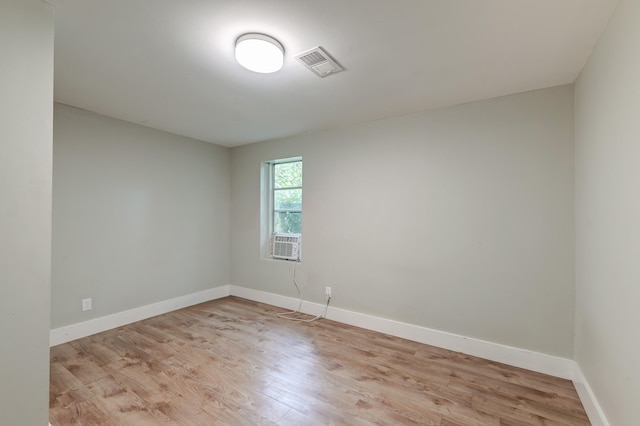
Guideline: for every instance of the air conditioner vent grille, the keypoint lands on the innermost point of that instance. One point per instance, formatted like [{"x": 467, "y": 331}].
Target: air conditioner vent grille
[
  {"x": 319, "y": 61},
  {"x": 313, "y": 58},
  {"x": 286, "y": 246}
]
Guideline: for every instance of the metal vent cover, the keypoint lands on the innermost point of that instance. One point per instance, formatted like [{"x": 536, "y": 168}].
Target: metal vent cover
[{"x": 319, "y": 61}]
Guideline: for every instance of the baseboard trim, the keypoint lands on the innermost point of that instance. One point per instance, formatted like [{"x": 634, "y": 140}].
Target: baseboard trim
[
  {"x": 589, "y": 402},
  {"x": 71, "y": 332},
  {"x": 547, "y": 364},
  {"x": 535, "y": 361},
  {"x": 530, "y": 360}
]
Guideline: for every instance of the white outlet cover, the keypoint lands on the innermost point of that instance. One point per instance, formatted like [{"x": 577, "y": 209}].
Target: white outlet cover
[{"x": 86, "y": 305}]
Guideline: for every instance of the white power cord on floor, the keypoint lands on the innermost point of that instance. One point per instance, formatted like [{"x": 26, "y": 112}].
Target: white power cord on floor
[{"x": 285, "y": 315}]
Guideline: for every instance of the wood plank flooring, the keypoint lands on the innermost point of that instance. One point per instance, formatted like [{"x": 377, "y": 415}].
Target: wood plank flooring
[{"x": 234, "y": 362}]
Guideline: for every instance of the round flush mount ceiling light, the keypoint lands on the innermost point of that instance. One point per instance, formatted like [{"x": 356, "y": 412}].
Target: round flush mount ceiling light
[{"x": 259, "y": 53}]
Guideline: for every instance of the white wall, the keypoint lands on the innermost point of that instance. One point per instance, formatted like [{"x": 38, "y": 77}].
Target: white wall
[
  {"x": 607, "y": 127},
  {"x": 458, "y": 219},
  {"x": 26, "y": 98},
  {"x": 139, "y": 215}
]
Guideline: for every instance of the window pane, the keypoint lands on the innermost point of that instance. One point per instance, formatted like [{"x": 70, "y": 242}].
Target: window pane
[
  {"x": 287, "y": 175},
  {"x": 287, "y": 222},
  {"x": 287, "y": 199}
]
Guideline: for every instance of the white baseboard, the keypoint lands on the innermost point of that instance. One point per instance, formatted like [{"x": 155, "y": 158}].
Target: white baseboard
[
  {"x": 530, "y": 360},
  {"x": 97, "y": 325},
  {"x": 589, "y": 401},
  {"x": 534, "y": 361}
]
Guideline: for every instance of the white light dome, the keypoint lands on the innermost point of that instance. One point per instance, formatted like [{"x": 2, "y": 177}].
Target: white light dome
[{"x": 259, "y": 53}]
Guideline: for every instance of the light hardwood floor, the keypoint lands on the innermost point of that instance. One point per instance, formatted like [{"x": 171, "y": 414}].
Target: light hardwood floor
[{"x": 234, "y": 362}]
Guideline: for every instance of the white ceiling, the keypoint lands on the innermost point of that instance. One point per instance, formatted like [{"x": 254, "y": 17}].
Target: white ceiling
[{"x": 169, "y": 64}]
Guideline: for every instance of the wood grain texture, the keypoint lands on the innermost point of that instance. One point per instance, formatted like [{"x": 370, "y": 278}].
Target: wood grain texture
[{"x": 234, "y": 362}]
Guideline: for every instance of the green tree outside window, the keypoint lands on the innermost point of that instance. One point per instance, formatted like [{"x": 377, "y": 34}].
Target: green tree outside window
[{"x": 287, "y": 197}]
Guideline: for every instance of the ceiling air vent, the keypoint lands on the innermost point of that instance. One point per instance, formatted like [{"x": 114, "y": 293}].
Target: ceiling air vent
[{"x": 319, "y": 61}]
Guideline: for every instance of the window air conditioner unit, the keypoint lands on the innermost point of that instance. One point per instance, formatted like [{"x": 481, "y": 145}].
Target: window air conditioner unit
[{"x": 286, "y": 246}]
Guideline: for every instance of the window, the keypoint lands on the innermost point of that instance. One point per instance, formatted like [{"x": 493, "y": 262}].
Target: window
[
  {"x": 286, "y": 197},
  {"x": 280, "y": 204}
]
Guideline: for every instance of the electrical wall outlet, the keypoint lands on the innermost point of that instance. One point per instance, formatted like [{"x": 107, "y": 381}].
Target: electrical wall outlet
[
  {"x": 327, "y": 291},
  {"x": 86, "y": 305}
]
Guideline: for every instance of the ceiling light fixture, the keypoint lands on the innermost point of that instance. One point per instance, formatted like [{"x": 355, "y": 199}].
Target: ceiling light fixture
[{"x": 259, "y": 53}]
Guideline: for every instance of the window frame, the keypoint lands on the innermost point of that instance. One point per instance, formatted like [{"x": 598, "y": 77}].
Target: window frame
[
  {"x": 273, "y": 190},
  {"x": 267, "y": 203}
]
